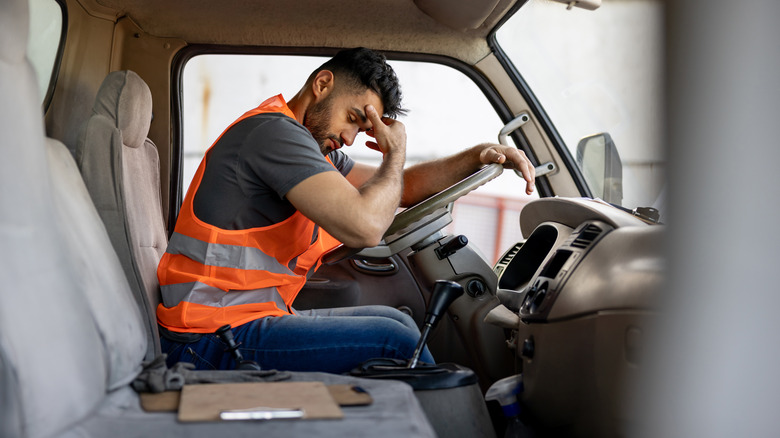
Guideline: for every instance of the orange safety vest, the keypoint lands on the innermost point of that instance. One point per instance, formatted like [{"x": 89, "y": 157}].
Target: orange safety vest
[{"x": 210, "y": 276}]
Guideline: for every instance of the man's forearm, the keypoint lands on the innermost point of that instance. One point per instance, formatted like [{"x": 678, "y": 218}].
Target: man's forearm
[
  {"x": 356, "y": 216},
  {"x": 383, "y": 190},
  {"x": 425, "y": 179}
]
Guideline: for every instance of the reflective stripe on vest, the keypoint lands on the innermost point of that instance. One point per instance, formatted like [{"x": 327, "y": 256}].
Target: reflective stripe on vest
[
  {"x": 210, "y": 277},
  {"x": 200, "y": 293},
  {"x": 226, "y": 256}
]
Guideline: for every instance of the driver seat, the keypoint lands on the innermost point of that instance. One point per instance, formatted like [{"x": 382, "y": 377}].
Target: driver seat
[{"x": 121, "y": 169}]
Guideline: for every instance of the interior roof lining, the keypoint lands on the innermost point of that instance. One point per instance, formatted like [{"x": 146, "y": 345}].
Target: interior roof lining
[{"x": 400, "y": 26}]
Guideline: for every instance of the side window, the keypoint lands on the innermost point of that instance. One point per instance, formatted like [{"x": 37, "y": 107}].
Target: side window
[
  {"x": 447, "y": 113},
  {"x": 45, "y": 40}
]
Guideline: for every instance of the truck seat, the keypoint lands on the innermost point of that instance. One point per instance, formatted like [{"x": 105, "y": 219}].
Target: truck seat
[{"x": 121, "y": 169}]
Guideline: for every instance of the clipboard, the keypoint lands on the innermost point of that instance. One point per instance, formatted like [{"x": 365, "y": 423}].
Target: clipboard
[{"x": 206, "y": 402}]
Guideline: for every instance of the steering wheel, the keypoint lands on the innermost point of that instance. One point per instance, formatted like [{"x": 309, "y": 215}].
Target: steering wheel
[{"x": 420, "y": 220}]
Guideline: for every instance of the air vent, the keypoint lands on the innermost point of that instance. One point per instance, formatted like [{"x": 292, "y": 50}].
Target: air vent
[
  {"x": 509, "y": 254},
  {"x": 586, "y": 236},
  {"x": 500, "y": 265}
]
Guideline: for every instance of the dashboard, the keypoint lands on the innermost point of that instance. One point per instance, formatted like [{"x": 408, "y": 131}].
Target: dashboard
[
  {"x": 583, "y": 288},
  {"x": 581, "y": 256}
]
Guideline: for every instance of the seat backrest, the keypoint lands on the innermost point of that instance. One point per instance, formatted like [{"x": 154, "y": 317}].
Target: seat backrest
[
  {"x": 70, "y": 331},
  {"x": 121, "y": 169},
  {"x": 21, "y": 143}
]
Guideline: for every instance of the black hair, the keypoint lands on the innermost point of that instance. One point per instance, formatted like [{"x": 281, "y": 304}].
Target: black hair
[{"x": 363, "y": 67}]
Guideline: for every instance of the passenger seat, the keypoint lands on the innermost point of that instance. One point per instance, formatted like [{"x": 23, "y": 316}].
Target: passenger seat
[
  {"x": 70, "y": 332},
  {"x": 121, "y": 169}
]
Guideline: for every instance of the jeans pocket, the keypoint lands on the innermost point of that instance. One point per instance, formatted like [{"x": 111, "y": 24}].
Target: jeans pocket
[{"x": 201, "y": 363}]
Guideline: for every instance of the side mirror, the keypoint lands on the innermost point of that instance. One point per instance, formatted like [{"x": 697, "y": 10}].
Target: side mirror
[{"x": 599, "y": 161}]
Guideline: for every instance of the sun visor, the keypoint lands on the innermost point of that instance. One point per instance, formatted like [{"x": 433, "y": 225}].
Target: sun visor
[{"x": 460, "y": 15}]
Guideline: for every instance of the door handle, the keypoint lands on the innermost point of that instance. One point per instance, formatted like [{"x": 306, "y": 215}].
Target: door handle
[{"x": 384, "y": 267}]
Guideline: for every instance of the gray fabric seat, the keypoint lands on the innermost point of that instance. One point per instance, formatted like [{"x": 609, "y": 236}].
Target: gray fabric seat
[
  {"x": 72, "y": 337},
  {"x": 121, "y": 170},
  {"x": 65, "y": 342}
]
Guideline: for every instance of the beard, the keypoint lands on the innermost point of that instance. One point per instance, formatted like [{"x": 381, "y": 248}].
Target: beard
[{"x": 317, "y": 122}]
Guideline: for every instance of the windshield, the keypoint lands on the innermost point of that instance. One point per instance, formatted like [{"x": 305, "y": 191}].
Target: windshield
[{"x": 599, "y": 72}]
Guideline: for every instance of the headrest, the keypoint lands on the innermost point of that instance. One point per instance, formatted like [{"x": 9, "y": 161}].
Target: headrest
[{"x": 125, "y": 98}]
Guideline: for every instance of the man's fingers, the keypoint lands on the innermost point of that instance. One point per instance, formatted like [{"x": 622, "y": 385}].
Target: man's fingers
[
  {"x": 528, "y": 171},
  {"x": 491, "y": 155},
  {"x": 511, "y": 158},
  {"x": 374, "y": 117},
  {"x": 499, "y": 158},
  {"x": 373, "y": 145}
]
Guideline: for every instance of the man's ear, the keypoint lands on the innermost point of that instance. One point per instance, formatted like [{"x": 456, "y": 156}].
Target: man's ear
[{"x": 322, "y": 85}]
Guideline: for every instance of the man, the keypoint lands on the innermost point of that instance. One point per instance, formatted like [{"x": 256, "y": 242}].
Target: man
[{"x": 271, "y": 196}]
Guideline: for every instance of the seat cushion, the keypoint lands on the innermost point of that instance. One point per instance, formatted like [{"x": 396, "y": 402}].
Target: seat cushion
[{"x": 394, "y": 412}]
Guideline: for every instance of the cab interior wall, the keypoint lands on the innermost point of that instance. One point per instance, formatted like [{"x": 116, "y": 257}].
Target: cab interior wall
[
  {"x": 96, "y": 44},
  {"x": 109, "y": 35},
  {"x": 84, "y": 65}
]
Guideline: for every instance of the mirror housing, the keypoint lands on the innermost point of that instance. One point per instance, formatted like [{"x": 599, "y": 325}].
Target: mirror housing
[{"x": 600, "y": 163}]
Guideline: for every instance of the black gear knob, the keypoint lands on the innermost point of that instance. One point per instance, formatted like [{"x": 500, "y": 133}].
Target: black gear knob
[{"x": 444, "y": 293}]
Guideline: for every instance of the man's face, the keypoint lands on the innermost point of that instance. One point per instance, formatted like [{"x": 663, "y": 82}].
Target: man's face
[{"x": 336, "y": 120}]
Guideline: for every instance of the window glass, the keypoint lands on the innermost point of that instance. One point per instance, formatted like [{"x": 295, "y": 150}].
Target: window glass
[
  {"x": 44, "y": 42},
  {"x": 599, "y": 71},
  {"x": 447, "y": 113}
]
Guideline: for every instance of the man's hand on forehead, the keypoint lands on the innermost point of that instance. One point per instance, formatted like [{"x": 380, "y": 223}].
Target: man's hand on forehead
[{"x": 390, "y": 134}]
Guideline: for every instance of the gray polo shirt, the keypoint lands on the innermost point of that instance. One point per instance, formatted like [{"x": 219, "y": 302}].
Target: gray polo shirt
[{"x": 252, "y": 167}]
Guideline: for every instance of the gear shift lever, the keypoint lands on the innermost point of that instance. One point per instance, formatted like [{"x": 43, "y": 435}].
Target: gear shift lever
[{"x": 444, "y": 293}]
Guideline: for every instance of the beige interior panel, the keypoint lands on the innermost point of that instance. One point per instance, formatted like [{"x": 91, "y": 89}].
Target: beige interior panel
[
  {"x": 561, "y": 183},
  {"x": 84, "y": 66},
  {"x": 403, "y": 27},
  {"x": 152, "y": 59}
]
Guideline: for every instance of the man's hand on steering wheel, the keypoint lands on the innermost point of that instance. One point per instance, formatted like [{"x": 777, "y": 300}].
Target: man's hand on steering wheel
[
  {"x": 421, "y": 219},
  {"x": 511, "y": 158}
]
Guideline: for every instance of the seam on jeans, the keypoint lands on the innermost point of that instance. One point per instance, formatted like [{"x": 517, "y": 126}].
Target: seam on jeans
[{"x": 198, "y": 359}]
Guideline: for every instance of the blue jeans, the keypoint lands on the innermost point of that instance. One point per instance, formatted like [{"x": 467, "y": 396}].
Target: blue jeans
[{"x": 329, "y": 340}]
